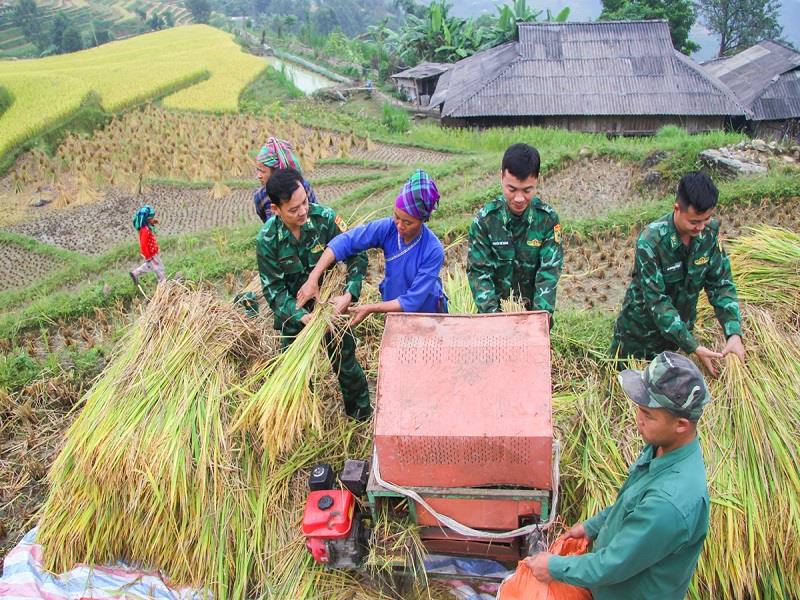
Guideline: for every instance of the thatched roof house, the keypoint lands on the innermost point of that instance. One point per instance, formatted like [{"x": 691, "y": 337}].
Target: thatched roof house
[
  {"x": 766, "y": 80},
  {"x": 620, "y": 77}
]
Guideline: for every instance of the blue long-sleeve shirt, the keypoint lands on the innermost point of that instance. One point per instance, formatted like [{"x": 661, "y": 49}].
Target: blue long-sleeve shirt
[{"x": 411, "y": 275}]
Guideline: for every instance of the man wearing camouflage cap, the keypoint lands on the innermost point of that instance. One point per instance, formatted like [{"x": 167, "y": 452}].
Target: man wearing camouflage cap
[
  {"x": 677, "y": 257},
  {"x": 647, "y": 543}
]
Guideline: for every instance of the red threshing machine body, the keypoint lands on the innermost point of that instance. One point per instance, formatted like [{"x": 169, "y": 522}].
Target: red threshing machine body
[{"x": 464, "y": 414}]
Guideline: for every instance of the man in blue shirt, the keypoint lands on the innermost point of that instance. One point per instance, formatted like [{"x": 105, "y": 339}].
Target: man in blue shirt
[
  {"x": 646, "y": 545},
  {"x": 413, "y": 254}
]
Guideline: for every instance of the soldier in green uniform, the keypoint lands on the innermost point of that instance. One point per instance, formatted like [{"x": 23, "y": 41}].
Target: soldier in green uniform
[
  {"x": 287, "y": 248},
  {"x": 677, "y": 256},
  {"x": 647, "y": 543},
  {"x": 515, "y": 240}
]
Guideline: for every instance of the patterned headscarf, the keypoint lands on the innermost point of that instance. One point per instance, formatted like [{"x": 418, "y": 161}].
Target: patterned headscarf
[
  {"x": 278, "y": 154},
  {"x": 143, "y": 215},
  {"x": 419, "y": 196}
]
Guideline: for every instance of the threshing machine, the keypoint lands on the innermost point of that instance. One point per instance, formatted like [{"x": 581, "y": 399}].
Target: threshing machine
[{"x": 463, "y": 441}]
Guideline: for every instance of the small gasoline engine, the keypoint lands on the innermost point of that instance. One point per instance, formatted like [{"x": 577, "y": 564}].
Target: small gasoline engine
[{"x": 332, "y": 523}]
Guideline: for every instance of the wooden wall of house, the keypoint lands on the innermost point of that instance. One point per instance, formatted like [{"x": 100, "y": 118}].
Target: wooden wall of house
[
  {"x": 787, "y": 130},
  {"x": 612, "y": 125}
]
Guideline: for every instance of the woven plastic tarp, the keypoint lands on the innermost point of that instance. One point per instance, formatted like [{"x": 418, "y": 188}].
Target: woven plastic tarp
[{"x": 24, "y": 578}]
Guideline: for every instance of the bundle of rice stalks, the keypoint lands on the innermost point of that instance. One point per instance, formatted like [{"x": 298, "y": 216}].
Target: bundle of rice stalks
[
  {"x": 219, "y": 190},
  {"x": 460, "y": 300},
  {"x": 147, "y": 473},
  {"x": 459, "y": 296},
  {"x": 600, "y": 442},
  {"x": 286, "y": 405},
  {"x": 766, "y": 268},
  {"x": 750, "y": 436}
]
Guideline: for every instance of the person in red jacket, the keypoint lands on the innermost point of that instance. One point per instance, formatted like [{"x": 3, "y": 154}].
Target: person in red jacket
[{"x": 144, "y": 222}]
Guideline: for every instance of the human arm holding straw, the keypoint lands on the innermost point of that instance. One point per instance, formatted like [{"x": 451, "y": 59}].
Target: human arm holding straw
[
  {"x": 721, "y": 293},
  {"x": 342, "y": 247},
  {"x": 652, "y": 531},
  {"x": 415, "y": 298}
]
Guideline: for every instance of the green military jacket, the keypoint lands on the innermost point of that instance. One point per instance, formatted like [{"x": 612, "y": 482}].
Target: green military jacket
[
  {"x": 509, "y": 253},
  {"x": 647, "y": 543},
  {"x": 285, "y": 262},
  {"x": 660, "y": 304}
]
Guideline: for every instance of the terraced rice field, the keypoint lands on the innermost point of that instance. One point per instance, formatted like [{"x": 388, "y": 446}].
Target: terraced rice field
[
  {"x": 591, "y": 188},
  {"x": 125, "y": 73},
  {"x": 152, "y": 142},
  {"x": 400, "y": 154},
  {"x": 118, "y": 16}
]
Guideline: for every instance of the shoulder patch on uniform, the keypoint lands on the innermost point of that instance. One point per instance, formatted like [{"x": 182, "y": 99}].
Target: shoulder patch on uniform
[
  {"x": 557, "y": 233},
  {"x": 340, "y": 223}
]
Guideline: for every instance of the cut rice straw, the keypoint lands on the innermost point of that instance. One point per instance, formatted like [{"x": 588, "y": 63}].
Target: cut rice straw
[{"x": 287, "y": 405}]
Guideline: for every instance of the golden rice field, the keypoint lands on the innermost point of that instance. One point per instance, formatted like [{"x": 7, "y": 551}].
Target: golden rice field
[{"x": 203, "y": 66}]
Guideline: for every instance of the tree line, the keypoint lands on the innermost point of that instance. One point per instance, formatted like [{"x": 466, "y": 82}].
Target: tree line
[
  {"x": 415, "y": 32},
  {"x": 384, "y": 35}
]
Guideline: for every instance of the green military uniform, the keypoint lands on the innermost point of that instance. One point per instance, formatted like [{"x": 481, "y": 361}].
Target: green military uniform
[
  {"x": 520, "y": 254},
  {"x": 284, "y": 263},
  {"x": 660, "y": 305},
  {"x": 647, "y": 543}
]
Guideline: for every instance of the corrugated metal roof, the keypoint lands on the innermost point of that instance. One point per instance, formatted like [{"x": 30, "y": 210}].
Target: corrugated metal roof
[
  {"x": 781, "y": 100},
  {"x": 758, "y": 71},
  {"x": 608, "y": 68},
  {"x": 423, "y": 71}
]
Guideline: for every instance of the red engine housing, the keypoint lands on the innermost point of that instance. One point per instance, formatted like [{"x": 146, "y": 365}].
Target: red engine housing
[{"x": 328, "y": 517}]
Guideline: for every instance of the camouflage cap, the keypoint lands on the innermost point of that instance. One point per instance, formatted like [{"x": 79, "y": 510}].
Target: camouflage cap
[{"x": 670, "y": 381}]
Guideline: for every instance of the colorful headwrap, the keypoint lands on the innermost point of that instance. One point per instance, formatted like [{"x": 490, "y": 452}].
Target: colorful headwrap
[
  {"x": 419, "y": 196},
  {"x": 278, "y": 154},
  {"x": 143, "y": 215}
]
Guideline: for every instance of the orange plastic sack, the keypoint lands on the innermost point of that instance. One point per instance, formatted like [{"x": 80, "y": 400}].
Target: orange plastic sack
[{"x": 522, "y": 585}]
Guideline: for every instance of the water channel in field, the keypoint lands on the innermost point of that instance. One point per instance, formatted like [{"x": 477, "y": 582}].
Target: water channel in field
[{"x": 306, "y": 81}]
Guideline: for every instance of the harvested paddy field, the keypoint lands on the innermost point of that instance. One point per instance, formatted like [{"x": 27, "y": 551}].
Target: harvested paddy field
[
  {"x": 400, "y": 155},
  {"x": 20, "y": 266},
  {"x": 594, "y": 187},
  {"x": 99, "y": 227}
]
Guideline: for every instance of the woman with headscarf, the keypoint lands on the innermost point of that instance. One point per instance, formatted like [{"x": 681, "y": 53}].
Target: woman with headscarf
[
  {"x": 275, "y": 154},
  {"x": 144, "y": 221},
  {"x": 413, "y": 255}
]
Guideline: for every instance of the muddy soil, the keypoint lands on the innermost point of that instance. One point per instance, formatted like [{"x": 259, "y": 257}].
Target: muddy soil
[
  {"x": 329, "y": 171},
  {"x": 594, "y": 187},
  {"x": 20, "y": 267},
  {"x": 400, "y": 155}
]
